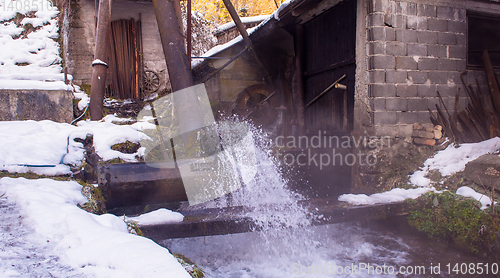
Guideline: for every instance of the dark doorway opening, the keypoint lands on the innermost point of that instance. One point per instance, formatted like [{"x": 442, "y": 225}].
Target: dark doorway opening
[{"x": 329, "y": 53}]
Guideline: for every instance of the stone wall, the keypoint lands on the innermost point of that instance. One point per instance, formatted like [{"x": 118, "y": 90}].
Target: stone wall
[
  {"x": 19, "y": 105},
  {"x": 78, "y": 34},
  {"x": 415, "y": 49}
]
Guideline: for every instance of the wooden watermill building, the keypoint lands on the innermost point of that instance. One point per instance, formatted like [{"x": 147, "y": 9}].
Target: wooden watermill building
[{"x": 387, "y": 62}]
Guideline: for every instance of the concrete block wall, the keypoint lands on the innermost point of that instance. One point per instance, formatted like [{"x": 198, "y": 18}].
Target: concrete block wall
[
  {"x": 78, "y": 34},
  {"x": 38, "y": 105},
  {"x": 414, "y": 50}
]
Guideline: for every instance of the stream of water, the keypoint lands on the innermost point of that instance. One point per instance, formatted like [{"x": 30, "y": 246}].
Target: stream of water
[
  {"x": 341, "y": 250},
  {"x": 286, "y": 245}
]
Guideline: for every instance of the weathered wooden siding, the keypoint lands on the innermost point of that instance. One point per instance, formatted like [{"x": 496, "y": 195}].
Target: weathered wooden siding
[{"x": 329, "y": 41}]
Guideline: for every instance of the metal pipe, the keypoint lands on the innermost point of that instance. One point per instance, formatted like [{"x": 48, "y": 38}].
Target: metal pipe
[
  {"x": 188, "y": 32},
  {"x": 327, "y": 89},
  {"x": 238, "y": 23},
  {"x": 99, "y": 66},
  {"x": 173, "y": 45}
]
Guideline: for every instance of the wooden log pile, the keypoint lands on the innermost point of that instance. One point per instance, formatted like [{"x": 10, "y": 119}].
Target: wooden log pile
[
  {"x": 481, "y": 118},
  {"x": 427, "y": 134}
]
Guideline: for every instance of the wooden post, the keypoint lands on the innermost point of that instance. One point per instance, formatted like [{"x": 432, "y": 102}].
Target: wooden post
[
  {"x": 492, "y": 81},
  {"x": 99, "y": 65},
  {"x": 178, "y": 13},
  {"x": 189, "y": 112},
  {"x": 238, "y": 23},
  {"x": 173, "y": 45}
]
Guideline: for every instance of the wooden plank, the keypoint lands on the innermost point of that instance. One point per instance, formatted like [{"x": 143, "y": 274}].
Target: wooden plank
[
  {"x": 298, "y": 89},
  {"x": 229, "y": 220},
  {"x": 138, "y": 184},
  {"x": 492, "y": 81}
]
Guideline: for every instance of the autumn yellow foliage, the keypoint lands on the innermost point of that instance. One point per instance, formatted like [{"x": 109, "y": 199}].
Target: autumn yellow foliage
[{"x": 215, "y": 11}]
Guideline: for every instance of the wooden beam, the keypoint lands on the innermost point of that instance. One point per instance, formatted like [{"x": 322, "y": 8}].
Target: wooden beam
[
  {"x": 492, "y": 81},
  {"x": 298, "y": 91},
  {"x": 138, "y": 184},
  {"x": 246, "y": 39},
  {"x": 188, "y": 110},
  {"x": 209, "y": 222}
]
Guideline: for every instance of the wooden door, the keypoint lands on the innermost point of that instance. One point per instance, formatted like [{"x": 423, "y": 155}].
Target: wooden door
[
  {"x": 329, "y": 53},
  {"x": 125, "y": 61}
]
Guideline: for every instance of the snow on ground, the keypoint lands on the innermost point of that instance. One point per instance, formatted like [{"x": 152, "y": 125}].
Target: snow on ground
[
  {"x": 394, "y": 195},
  {"x": 453, "y": 159},
  {"x": 55, "y": 238},
  {"x": 159, "y": 216},
  {"x": 32, "y": 61},
  {"x": 469, "y": 192},
  {"x": 43, "y": 233},
  {"x": 38, "y": 143},
  {"x": 27, "y": 145},
  {"x": 447, "y": 162},
  {"x": 82, "y": 96},
  {"x": 106, "y": 134},
  {"x": 23, "y": 253}
]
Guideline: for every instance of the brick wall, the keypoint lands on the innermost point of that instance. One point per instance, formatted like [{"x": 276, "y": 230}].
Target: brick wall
[{"x": 415, "y": 50}]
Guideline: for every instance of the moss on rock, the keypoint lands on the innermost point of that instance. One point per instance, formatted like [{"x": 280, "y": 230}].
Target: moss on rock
[
  {"x": 126, "y": 147},
  {"x": 459, "y": 221},
  {"x": 96, "y": 201}
]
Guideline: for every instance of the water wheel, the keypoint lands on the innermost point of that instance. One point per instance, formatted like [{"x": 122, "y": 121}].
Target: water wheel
[
  {"x": 259, "y": 104},
  {"x": 151, "y": 81}
]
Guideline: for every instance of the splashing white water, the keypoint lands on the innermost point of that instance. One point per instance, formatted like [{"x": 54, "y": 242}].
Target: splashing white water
[
  {"x": 322, "y": 251},
  {"x": 284, "y": 244},
  {"x": 265, "y": 195},
  {"x": 280, "y": 219}
]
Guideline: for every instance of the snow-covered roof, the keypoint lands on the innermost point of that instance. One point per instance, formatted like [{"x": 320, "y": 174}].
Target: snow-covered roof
[
  {"x": 219, "y": 48},
  {"x": 244, "y": 20}
]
